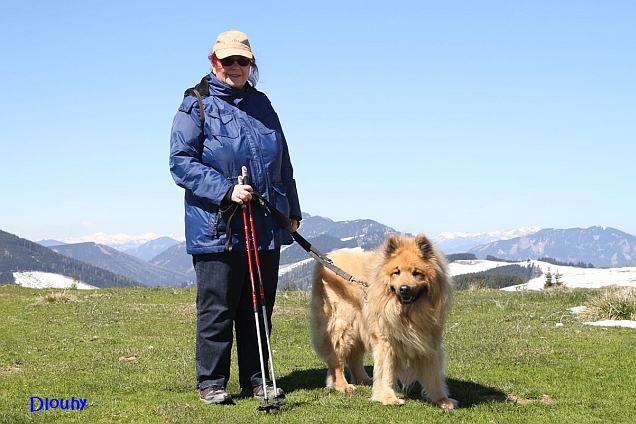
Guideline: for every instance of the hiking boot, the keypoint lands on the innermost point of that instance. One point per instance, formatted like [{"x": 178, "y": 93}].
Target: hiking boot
[
  {"x": 257, "y": 391},
  {"x": 215, "y": 395}
]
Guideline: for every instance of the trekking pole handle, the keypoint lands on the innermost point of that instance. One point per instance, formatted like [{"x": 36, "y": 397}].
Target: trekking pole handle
[
  {"x": 242, "y": 179},
  {"x": 243, "y": 176}
]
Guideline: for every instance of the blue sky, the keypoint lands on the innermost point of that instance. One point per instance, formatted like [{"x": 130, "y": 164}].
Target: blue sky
[{"x": 426, "y": 116}]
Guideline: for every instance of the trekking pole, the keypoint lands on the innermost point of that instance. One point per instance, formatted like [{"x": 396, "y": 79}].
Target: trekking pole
[
  {"x": 263, "y": 303},
  {"x": 242, "y": 180},
  {"x": 267, "y": 406}
]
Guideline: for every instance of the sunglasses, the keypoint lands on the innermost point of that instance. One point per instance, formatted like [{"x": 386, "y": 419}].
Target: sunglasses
[{"x": 229, "y": 61}]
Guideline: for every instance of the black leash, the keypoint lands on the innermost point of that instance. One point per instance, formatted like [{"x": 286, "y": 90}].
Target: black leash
[{"x": 285, "y": 222}]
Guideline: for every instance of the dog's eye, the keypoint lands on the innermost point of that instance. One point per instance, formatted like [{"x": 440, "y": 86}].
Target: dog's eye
[
  {"x": 396, "y": 272},
  {"x": 418, "y": 274}
]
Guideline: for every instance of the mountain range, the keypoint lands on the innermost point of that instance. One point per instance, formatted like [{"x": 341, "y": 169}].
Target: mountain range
[
  {"x": 50, "y": 242},
  {"x": 19, "y": 255},
  {"x": 327, "y": 235},
  {"x": 150, "y": 249},
  {"x": 601, "y": 246},
  {"x": 172, "y": 266},
  {"x": 460, "y": 242},
  {"x": 176, "y": 259},
  {"x": 323, "y": 233},
  {"x": 121, "y": 263}
]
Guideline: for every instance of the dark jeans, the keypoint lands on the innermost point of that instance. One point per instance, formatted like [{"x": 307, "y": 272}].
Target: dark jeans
[{"x": 224, "y": 297}]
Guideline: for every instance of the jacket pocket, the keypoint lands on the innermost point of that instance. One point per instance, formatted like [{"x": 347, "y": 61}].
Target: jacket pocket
[
  {"x": 280, "y": 199},
  {"x": 221, "y": 136},
  {"x": 271, "y": 150},
  {"x": 219, "y": 220},
  {"x": 223, "y": 125},
  {"x": 264, "y": 130},
  {"x": 269, "y": 136}
]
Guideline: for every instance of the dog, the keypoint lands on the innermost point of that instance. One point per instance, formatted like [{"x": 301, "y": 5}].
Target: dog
[{"x": 400, "y": 318}]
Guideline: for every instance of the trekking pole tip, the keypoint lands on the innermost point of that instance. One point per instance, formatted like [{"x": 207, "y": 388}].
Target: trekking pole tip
[{"x": 271, "y": 406}]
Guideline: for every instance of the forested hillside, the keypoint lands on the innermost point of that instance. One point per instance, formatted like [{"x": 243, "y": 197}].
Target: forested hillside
[{"x": 18, "y": 255}]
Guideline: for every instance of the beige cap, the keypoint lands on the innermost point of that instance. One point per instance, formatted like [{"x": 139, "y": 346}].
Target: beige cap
[{"x": 232, "y": 43}]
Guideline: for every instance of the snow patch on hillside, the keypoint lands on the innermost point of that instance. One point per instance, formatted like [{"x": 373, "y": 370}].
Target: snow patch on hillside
[
  {"x": 285, "y": 269},
  {"x": 285, "y": 247},
  {"x": 573, "y": 277},
  {"x": 577, "y": 310},
  {"x": 612, "y": 323},
  {"x": 471, "y": 266},
  {"x": 353, "y": 249},
  {"x": 47, "y": 280}
]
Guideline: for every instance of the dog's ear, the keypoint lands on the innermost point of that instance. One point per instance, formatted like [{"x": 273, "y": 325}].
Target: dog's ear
[
  {"x": 425, "y": 246},
  {"x": 391, "y": 245}
]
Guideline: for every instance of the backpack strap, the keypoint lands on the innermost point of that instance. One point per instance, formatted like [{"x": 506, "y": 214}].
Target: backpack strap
[
  {"x": 200, "y": 100},
  {"x": 202, "y": 89}
]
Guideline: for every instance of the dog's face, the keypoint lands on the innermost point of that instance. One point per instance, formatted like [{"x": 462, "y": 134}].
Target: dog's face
[{"x": 410, "y": 269}]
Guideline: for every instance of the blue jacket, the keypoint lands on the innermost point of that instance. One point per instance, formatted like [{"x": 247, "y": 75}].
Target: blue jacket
[{"x": 241, "y": 128}]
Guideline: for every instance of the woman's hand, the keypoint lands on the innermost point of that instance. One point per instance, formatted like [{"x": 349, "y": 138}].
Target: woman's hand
[
  {"x": 241, "y": 193},
  {"x": 294, "y": 225}
]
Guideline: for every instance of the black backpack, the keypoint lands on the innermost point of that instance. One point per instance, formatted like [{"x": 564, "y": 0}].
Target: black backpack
[{"x": 201, "y": 90}]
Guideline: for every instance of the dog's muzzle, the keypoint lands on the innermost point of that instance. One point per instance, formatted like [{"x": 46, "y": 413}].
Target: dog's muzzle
[{"x": 407, "y": 294}]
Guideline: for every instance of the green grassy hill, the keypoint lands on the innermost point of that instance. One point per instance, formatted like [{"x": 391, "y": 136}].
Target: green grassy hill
[{"x": 130, "y": 353}]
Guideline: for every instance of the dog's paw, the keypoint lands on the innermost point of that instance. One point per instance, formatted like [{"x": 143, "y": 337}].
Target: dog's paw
[
  {"x": 388, "y": 400},
  {"x": 345, "y": 388},
  {"x": 447, "y": 404},
  {"x": 393, "y": 401}
]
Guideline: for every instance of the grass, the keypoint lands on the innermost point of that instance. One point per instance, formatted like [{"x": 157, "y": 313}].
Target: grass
[
  {"x": 616, "y": 303},
  {"x": 61, "y": 296},
  {"x": 130, "y": 353}
]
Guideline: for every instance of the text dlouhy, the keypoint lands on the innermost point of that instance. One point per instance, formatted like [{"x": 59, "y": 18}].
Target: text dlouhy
[{"x": 44, "y": 404}]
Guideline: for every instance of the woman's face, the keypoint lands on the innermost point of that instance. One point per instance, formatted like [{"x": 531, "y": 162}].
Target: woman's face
[{"x": 232, "y": 70}]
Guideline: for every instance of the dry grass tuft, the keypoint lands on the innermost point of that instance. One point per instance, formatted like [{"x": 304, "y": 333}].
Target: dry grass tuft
[
  {"x": 557, "y": 290},
  {"x": 544, "y": 399},
  {"x": 57, "y": 297},
  {"x": 9, "y": 370},
  {"x": 614, "y": 303}
]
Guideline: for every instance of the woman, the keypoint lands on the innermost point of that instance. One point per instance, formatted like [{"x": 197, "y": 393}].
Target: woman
[{"x": 238, "y": 127}]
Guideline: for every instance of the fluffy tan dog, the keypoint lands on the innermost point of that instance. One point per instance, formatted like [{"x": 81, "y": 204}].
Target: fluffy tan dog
[{"x": 401, "y": 321}]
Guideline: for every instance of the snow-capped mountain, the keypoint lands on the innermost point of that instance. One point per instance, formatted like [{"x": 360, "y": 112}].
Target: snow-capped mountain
[
  {"x": 600, "y": 246},
  {"x": 458, "y": 242},
  {"x": 327, "y": 235},
  {"x": 121, "y": 242},
  {"x": 152, "y": 248}
]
